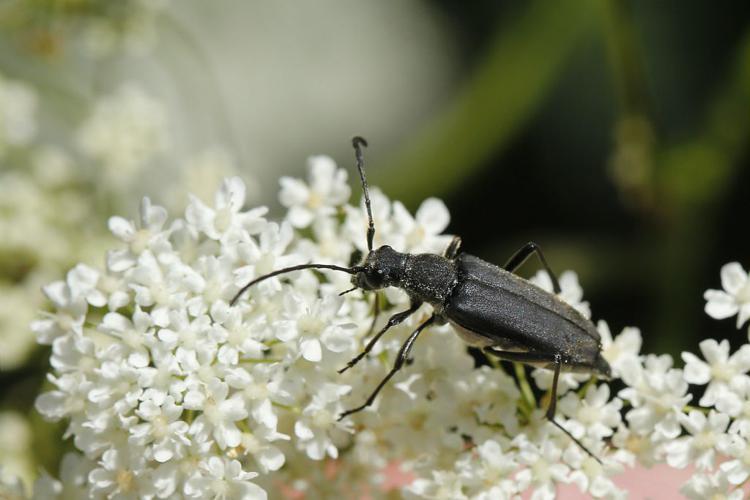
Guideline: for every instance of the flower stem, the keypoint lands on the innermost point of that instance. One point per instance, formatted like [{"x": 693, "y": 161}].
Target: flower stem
[{"x": 528, "y": 400}]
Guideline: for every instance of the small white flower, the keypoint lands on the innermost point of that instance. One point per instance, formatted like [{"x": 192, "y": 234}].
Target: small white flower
[
  {"x": 570, "y": 290},
  {"x": 737, "y": 470},
  {"x": 707, "y": 433},
  {"x": 627, "y": 345},
  {"x": 223, "y": 479},
  {"x": 147, "y": 234},
  {"x": 220, "y": 414},
  {"x": 135, "y": 336},
  {"x": 270, "y": 253},
  {"x": 423, "y": 232},
  {"x": 162, "y": 428},
  {"x": 590, "y": 476},
  {"x": 327, "y": 190},
  {"x": 543, "y": 468},
  {"x": 720, "y": 370},
  {"x": 594, "y": 415},
  {"x": 124, "y": 132},
  {"x": 71, "y": 308},
  {"x": 318, "y": 420},
  {"x": 714, "y": 486},
  {"x": 734, "y": 400},
  {"x": 69, "y": 397},
  {"x": 634, "y": 447},
  {"x": 315, "y": 324},
  {"x": 444, "y": 485},
  {"x": 121, "y": 473},
  {"x": 657, "y": 393},
  {"x": 163, "y": 283},
  {"x": 226, "y": 221},
  {"x": 734, "y": 299},
  {"x": 489, "y": 471}
]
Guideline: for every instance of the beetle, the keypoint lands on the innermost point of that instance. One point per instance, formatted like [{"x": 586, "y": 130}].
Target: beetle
[{"x": 489, "y": 307}]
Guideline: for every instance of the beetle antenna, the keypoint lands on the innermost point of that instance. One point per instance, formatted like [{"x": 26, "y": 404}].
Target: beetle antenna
[
  {"x": 358, "y": 143},
  {"x": 350, "y": 270}
]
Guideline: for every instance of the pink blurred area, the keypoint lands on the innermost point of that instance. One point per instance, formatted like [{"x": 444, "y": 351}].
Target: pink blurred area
[{"x": 659, "y": 482}]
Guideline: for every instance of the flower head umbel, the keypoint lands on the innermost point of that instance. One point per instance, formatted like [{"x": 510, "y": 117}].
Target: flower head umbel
[
  {"x": 171, "y": 391},
  {"x": 125, "y": 131}
]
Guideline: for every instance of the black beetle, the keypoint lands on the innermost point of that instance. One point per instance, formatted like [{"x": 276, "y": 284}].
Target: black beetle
[{"x": 489, "y": 306}]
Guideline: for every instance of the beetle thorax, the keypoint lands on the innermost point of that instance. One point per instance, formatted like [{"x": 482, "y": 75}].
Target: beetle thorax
[
  {"x": 425, "y": 277},
  {"x": 429, "y": 278}
]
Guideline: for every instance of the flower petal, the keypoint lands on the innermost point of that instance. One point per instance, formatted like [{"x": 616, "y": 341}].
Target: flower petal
[
  {"x": 433, "y": 216},
  {"x": 733, "y": 277},
  {"x": 719, "y": 304}
]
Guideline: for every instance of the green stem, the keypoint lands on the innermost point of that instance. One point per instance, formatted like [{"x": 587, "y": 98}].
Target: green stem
[
  {"x": 293, "y": 409},
  {"x": 528, "y": 401}
]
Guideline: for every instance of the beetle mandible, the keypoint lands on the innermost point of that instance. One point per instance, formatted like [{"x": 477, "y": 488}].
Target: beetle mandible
[{"x": 489, "y": 307}]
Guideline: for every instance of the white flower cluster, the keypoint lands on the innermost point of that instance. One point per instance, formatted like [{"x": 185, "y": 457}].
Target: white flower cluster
[
  {"x": 124, "y": 132},
  {"x": 17, "y": 109},
  {"x": 170, "y": 392}
]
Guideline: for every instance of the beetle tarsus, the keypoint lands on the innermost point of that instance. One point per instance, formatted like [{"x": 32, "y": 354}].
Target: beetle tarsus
[
  {"x": 392, "y": 321},
  {"x": 403, "y": 355},
  {"x": 535, "y": 358}
]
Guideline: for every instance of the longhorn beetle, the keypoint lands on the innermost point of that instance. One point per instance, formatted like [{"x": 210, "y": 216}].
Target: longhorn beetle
[{"x": 490, "y": 307}]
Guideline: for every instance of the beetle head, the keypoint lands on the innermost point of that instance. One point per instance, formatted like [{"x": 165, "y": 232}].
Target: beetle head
[{"x": 382, "y": 268}]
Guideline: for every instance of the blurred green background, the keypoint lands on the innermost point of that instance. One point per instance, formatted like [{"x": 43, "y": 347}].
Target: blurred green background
[{"x": 613, "y": 133}]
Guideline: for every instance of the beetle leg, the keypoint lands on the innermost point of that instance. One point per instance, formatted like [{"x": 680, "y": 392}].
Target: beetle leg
[
  {"x": 392, "y": 321},
  {"x": 453, "y": 248},
  {"x": 536, "y": 357},
  {"x": 524, "y": 253},
  {"x": 553, "y": 405},
  {"x": 551, "y": 409},
  {"x": 401, "y": 358}
]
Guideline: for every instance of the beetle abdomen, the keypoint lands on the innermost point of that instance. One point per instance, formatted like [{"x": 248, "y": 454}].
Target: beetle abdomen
[{"x": 509, "y": 311}]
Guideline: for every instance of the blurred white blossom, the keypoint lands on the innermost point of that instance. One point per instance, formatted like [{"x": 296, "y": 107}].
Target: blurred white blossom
[
  {"x": 18, "y": 102},
  {"x": 16, "y": 312},
  {"x": 16, "y": 462},
  {"x": 125, "y": 131},
  {"x": 716, "y": 485}
]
